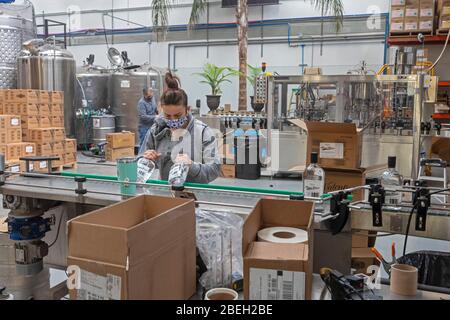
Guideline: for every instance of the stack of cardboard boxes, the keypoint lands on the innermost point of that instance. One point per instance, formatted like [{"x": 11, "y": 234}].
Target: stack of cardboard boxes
[
  {"x": 444, "y": 16},
  {"x": 339, "y": 148},
  {"x": 34, "y": 121},
  {"x": 120, "y": 145},
  {"x": 412, "y": 16}
]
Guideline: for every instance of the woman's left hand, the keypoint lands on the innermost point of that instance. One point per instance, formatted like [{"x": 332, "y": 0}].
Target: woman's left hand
[{"x": 184, "y": 158}]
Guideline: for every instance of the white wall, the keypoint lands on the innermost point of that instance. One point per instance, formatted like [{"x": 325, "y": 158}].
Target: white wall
[{"x": 337, "y": 58}]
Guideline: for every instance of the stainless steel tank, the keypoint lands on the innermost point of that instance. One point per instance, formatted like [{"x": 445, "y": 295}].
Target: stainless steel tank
[
  {"x": 17, "y": 24},
  {"x": 92, "y": 86},
  {"x": 45, "y": 66},
  {"x": 91, "y": 95},
  {"x": 126, "y": 90},
  {"x": 102, "y": 125}
]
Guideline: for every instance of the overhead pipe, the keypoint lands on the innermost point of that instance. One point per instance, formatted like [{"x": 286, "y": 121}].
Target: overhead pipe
[{"x": 175, "y": 45}]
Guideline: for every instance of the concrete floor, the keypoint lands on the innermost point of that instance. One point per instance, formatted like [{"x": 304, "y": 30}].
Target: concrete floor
[{"x": 90, "y": 166}]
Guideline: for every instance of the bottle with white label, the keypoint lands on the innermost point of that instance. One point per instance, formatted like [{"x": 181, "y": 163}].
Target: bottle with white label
[
  {"x": 314, "y": 180},
  {"x": 391, "y": 181}
]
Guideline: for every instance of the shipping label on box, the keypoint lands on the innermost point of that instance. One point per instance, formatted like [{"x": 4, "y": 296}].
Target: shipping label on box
[
  {"x": 10, "y": 122},
  {"x": 331, "y": 151},
  {"x": 398, "y": 13},
  {"x": 426, "y": 12},
  {"x": 95, "y": 287},
  {"x": 28, "y": 149},
  {"x": 266, "y": 284},
  {"x": 411, "y": 12}
]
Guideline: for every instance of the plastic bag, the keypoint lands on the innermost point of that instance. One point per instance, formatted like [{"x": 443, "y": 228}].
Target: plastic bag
[
  {"x": 434, "y": 267},
  {"x": 219, "y": 240}
]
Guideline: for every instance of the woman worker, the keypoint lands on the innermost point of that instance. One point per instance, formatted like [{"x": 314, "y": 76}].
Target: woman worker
[{"x": 177, "y": 136}]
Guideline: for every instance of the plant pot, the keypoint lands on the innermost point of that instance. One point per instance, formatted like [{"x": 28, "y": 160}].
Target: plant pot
[
  {"x": 258, "y": 107},
  {"x": 213, "y": 102}
]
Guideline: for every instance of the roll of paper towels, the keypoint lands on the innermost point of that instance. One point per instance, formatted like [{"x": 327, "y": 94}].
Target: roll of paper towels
[{"x": 283, "y": 235}]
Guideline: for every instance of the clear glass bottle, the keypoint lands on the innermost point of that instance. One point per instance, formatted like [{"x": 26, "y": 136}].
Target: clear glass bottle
[
  {"x": 178, "y": 174},
  {"x": 314, "y": 180},
  {"x": 391, "y": 180}
]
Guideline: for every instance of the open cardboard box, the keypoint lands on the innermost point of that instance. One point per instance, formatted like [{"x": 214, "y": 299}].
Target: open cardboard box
[
  {"x": 337, "y": 144},
  {"x": 291, "y": 264},
  {"x": 139, "y": 249}
]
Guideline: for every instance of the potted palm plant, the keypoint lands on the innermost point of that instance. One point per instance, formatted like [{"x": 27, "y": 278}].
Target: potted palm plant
[
  {"x": 252, "y": 74},
  {"x": 215, "y": 76}
]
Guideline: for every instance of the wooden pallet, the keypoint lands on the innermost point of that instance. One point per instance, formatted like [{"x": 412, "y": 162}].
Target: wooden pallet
[
  {"x": 72, "y": 165},
  {"x": 406, "y": 34},
  {"x": 442, "y": 32}
]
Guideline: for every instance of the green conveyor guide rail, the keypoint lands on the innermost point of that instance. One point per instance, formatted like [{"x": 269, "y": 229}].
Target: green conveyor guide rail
[{"x": 193, "y": 185}]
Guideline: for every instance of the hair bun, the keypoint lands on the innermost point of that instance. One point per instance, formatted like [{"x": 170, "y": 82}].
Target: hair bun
[{"x": 172, "y": 81}]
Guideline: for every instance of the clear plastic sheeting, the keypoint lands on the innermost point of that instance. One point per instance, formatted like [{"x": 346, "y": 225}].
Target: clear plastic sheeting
[
  {"x": 434, "y": 267},
  {"x": 219, "y": 235}
]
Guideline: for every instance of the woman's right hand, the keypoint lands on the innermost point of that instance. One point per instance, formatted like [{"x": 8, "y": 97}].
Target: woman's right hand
[{"x": 152, "y": 155}]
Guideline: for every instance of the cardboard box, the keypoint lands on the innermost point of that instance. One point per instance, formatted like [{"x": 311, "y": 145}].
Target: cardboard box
[
  {"x": 145, "y": 249},
  {"x": 426, "y": 12},
  {"x": 44, "y": 122},
  {"x": 120, "y": 140},
  {"x": 56, "y": 109},
  {"x": 398, "y": 2},
  {"x": 444, "y": 23},
  {"x": 35, "y": 166},
  {"x": 2, "y": 108},
  {"x": 412, "y": 12},
  {"x": 37, "y": 135},
  {"x": 10, "y": 136},
  {"x": 58, "y": 148},
  {"x": 21, "y": 96},
  {"x": 44, "y": 97},
  {"x": 397, "y": 26},
  {"x": 56, "y": 121},
  {"x": 44, "y": 149},
  {"x": 57, "y": 97},
  {"x": 114, "y": 154},
  {"x": 398, "y": 12},
  {"x": 70, "y": 158},
  {"x": 59, "y": 162},
  {"x": 338, "y": 144},
  {"x": 9, "y": 122},
  {"x": 411, "y": 24},
  {"x": 28, "y": 149},
  {"x": 30, "y": 122},
  {"x": 23, "y": 109},
  {"x": 3, "y": 149},
  {"x": 360, "y": 240},
  {"x": 264, "y": 260},
  {"x": 13, "y": 151},
  {"x": 44, "y": 110},
  {"x": 228, "y": 171},
  {"x": 362, "y": 259},
  {"x": 70, "y": 145},
  {"x": 426, "y": 24},
  {"x": 445, "y": 11},
  {"x": 59, "y": 134}
]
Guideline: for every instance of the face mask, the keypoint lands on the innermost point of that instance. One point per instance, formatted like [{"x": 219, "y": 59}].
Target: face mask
[
  {"x": 176, "y": 123},
  {"x": 148, "y": 99}
]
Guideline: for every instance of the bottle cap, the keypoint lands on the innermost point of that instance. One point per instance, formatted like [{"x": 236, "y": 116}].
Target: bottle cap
[
  {"x": 392, "y": 162},
  {"x": 314, "y": 157}
]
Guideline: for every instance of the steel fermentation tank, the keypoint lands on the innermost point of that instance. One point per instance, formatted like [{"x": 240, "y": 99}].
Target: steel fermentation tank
[
  {"x": 126, "y": 90},
  {"x": 45, "y": 66},
  {"x": 17, "y": 24}
]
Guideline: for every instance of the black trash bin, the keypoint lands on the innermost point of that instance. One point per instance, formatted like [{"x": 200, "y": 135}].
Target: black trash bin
[
  {"x": 247, "y": 158},
  {"x": 433, "y": 267}
]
